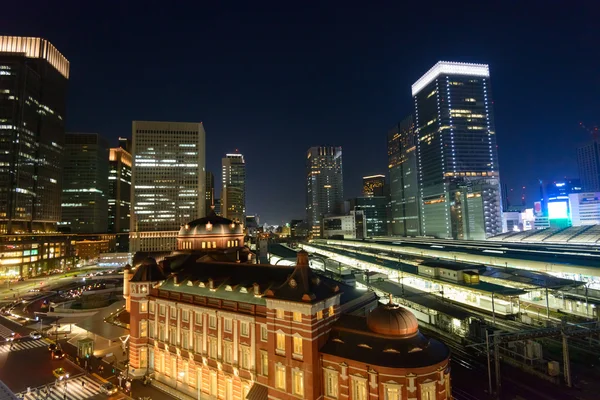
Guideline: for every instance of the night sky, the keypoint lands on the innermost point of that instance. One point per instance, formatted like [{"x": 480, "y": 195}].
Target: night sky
[{"x": 274, "y": 78}]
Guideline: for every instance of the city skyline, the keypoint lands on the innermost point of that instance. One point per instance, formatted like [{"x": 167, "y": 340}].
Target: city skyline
[{"x": 364, "y": 85}]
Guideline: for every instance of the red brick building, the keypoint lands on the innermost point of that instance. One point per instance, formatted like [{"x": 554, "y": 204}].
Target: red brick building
[{"x": 234, "y": 330}]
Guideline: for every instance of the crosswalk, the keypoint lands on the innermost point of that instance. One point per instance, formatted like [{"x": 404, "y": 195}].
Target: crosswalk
[
  {"x": 5, "y": 332},
  {"x": 25, "y": 345},
  {"x": 74, "y": 389}
]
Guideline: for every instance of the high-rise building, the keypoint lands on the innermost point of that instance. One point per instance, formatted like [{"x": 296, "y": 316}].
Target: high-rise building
[
  {"x": 33, "y": 90},
  {"x": 85, "y": 189},
  {"x": 373, "y": 185},
  {"x": 588, "y": 163},
  {"x": 324, "y": 185},
  {"x": 210, "y": 191},
  {"x": 375, "y": 211},
  {"x": 218, "y": 206},
  {"x": 168, "y": 181},
  {"x": 119, "y": 193},
  {"x": 456, "y": 151},
  {"x": 505, "y": 199},
  {"x": 233, "y": 193},
  {"x": 404, "y": 183}
]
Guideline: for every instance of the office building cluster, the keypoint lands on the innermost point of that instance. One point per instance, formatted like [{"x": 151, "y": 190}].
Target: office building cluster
[
  {"x": 443, "y": 167},
  {"x": 64, "y": 194}
]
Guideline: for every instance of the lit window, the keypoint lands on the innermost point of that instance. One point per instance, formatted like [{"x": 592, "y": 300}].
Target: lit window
[
  {"x": 297, "y": 316},
  {"x": 359, "y": 389},
  {"x": 198, "y": 343},
  {"x": 161, "y": 332},
  {"x": 198, "y": 319},
  {"x": 212, "y": 347},
  {"x": 428, "y": 391},
  {"x": 173, "y": 313},
  {"x": 162, "y": 310},
  {"x": 297, "y": 346},
  {"x": 245, "y": 329},
  {"x": 331, "y": 383},
  {"x": 227, "y": 352},
  {"x": 151, "y": 329},
  {"x": 264, "y": 333},
  {"x": 185, "y": 315},
  {"x": 264, "y": 363},
  {"x": 280, "y": 343},
  {"x": 214, "y": 245},
  {"x": 185, "y": 339},
  {"x": 227, "y": 325},
  {"x": 319, "y": 314},
  {"x": 152, "y": 306},
  {"x": 297, "y": 382},
  {"x": 331, "y": 311},
  {"x": 143, "y": 328},
  {"x": 245, "y": 353},
  {"x": 393, "y": 392},
  {"x": 173, "y": 335},
  {"x": 279, "y": 313},
  {"x": 280, "y": 377},
  {"x": 212, "y": 321},
  {"x": 143, "y": 306},
  {"x": 214, "y": 387},
  {"x": 203, "y": 245}
]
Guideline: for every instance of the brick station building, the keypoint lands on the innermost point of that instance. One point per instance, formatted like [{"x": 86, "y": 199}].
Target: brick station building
[{"x": 211, "y": 324}]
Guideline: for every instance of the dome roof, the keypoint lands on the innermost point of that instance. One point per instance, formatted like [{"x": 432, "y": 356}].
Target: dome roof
[
  {"x": 392, "y": 320},
  {"x": 212, "y": 224}
]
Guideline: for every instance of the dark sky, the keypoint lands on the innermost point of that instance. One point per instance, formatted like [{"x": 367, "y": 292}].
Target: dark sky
[{"x": 274, "y": 78}]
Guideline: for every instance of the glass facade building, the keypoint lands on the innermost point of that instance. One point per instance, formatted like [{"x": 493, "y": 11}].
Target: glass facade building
[
  {"x": 456, "y": 152},
  {"x": 373, "y": 185},
  {"x": 324, "y": 185},
  {"x": 404, "y": 183},
  {"x": 168, "y": 181},
  {"x": 119, "y": 194},
  {"x": 233, "y": 194},
  {"x": 588, "y": 163},
  {"x": 85, "y": 187},
  {"x": 210, "y": 191},
  {"x": 375, "y": 210},
  {"x": 33, "y": 89}
]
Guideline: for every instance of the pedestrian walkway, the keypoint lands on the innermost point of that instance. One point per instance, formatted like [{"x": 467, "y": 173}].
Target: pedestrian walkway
[
  {"x": 17, "y": 346},
  {"x": 77, "y": 388},
  {"x": 5, "y": 333}
]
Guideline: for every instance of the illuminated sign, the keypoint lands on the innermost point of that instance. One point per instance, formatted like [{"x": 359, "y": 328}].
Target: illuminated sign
[{"x": 558, "y": 210}]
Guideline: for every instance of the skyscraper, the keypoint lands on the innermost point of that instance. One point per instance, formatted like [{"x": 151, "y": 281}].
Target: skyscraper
[
  {"x": 404, "y": 183},
  {"x": 456, "y": 152},
  {"x": 588, "y": 163},
  {"x": 33, "y": 88},
  {"x": 85, "y": 186},
  {"x": 373, "y": 185},
  {"x": 233, "y": 194},
  {"x": 210, "y": 190},
  {"x": 119, "y": 193},
  {"x": 168, "y": 181},
  {"x": 324, "y": 184}
]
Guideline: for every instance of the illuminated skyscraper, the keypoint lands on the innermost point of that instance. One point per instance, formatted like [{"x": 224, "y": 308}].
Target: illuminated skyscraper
[
  {"x": 168, "y": 181},
  {"x": 85, "y": 189},
  {"x": 33, "y": 90},
  {"x": 210, "y": 190},
  {"x": 324, "y": 185},
  {"x": 373, "y": 185},
  {"x": 404, "y": 184},
  {"x": 456, "y": 152},
  {"x": 233, "y": 193},
  {"x": 588, "y": 163},
  {"x": 119, "y": 190}
]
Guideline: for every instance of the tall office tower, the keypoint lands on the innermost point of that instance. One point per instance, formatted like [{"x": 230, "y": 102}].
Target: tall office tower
[
  {"x": 210, "y": 191},
  {"x": 404, "y": 183},
  {"x": 588, "y": 163},
  {"x": 85, "y": 185},
  {"x": 456, "y": 152},
  {"x": 33, "y": 91},
  {"x": 119, "y": 193},
  {"x": 505, "y": 199},
  {"x": 324, "y": 185},
  {"x": 168, "y": 181},
  {"x": 373, "y": 185},
  {"x": 233, "y": 193}
]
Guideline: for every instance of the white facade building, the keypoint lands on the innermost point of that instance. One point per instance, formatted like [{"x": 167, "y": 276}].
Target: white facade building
[
  {"x": 353, "y": 226},
  {"x": 585, "y": 208},
  {"x": 168, "y": 178}
]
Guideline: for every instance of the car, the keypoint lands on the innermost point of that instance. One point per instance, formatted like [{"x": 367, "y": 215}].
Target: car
[
  {"x": 52, "y": 347},
  {"x": 11, "y": 338},
  {"x": 108, "y": 388},
  {"x": 58, "y": 354},
  {"x": 60, "y": 373},
  {"x": 35, "y": 335}
]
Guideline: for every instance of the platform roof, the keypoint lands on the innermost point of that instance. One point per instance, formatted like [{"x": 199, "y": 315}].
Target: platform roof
[{"x": 527, "y": 277}]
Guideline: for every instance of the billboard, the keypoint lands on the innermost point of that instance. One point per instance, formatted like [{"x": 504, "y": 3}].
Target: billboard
[
  {"x": 537, "y": 208},
  {"x": 558, "y": 210}
]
